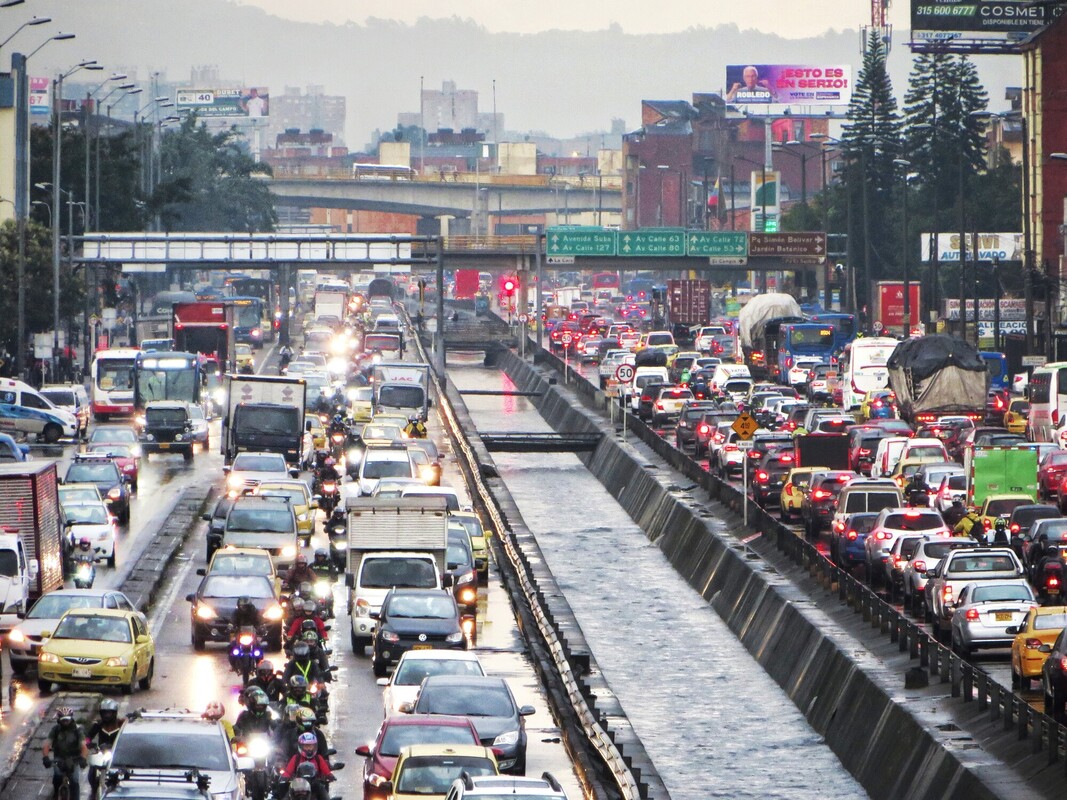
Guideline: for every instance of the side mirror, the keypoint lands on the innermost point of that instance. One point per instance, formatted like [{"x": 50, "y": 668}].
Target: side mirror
[
  {"x": 407, "y": 708},
  {"x": 934, "y": 572},
  {"x": 190, "y": 598},
  {"x": 1012, "y": 629},
  {"x": 294, "y": 473},
  {"x": 205, "y": 517},
  {"x": 201, "y": 572},
  {"x": 337, "y": 766},
  {"x": 48, "y": 635},
  {"x": 308, "y": 426},
  {"x": 34, "y": 567},
  {"x": 526, "y": 711},
  {"x": 386, "y": 788},
  {"x": 363, "y": 750},
  {"x": 1045, "y": 648},
  {"x": 375, "y": 615},
  {"x": 226, "y": 470},
  {"x": 144, "y": 638},
  {"x": 382, "y": 681}
]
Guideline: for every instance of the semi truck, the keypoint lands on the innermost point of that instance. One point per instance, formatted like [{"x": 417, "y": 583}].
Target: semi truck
[
  {"x": 938, "y": 375},
  {"x": 265, "y": 414},
  {"x": 993, "y": 470},
  {"x": 688, "y": 302},
  {"x": 391, "y": 542},
  {"x": 402, "y": 387},
  {"x": 758, "y": 325},
  {"x": 206, "y": 328},
  {"x": 828, "y": 450},
  {"x": 33, "y": 541}
]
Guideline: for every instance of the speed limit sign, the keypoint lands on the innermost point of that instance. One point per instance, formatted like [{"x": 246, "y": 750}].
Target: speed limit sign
[
  {"x": 524, "y": 318},
  {"x": 566, "y": 338},
  {"x": 625, "y": 373}
]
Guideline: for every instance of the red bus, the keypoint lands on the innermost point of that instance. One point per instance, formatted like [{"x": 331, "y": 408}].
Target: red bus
[{"x": 606, "y": 280}]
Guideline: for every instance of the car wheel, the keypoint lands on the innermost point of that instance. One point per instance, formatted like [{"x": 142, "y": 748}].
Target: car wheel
[
  {"x": 146, "y": 681},
  {"x": 111, "y": 558},
  {"x": 198, "y": 642},
  {"x": 1016, "y": 679},
  {"x": 380, "y": 668},
  {"x": 127, "y": 688},
  {"x": 51, "y": 433},
  {"x": 45, "y": 688},
  {"x": 188, "y": 455},
  {"x": 359, "y": 645},
  {"x": 18, "y": 669}
]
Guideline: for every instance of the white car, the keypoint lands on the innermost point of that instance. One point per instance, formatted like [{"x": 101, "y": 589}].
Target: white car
[
  {"x": 71, "y": 398},
  {"x": 891, "y": 524},
  {"x": 986, "y": 610},
  {"x": 668, "y": 403},
  {"x": 706, "y": 337},
  {"x": 248, "y": 469},
  {"x": 91, "y": 520},
  {"x": 798, "y": 373},
  {"x": 927, "y": 555},
  {"x": 416, "y": 665},
  {"x": 383, "y": 462}
]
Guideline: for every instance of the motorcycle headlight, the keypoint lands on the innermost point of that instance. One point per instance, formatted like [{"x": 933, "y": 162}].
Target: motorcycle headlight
[
  {"x": 117, "y": 661},
  {"x": 323, "y": 589},
  {"x": 259, "y": 748},
  {"x": 273, "y": 614},
  {"x": 289, "y": 551},
  {"x": 506, "y": 739}
]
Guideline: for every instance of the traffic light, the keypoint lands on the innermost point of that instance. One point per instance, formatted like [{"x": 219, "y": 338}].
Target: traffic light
[{"x": 510, "y": 284}]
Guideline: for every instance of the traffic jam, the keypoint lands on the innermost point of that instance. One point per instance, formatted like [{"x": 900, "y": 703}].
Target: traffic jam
[
  {"x": 913, "y": 463},
  {"x": 335, "y": 527}
]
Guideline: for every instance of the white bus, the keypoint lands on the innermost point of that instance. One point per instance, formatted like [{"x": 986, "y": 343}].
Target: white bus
[
  {"x": 1048, "y": 401},
  {"x": 383, "y": 172},
  {"x": 863, "y": 368},
  {"x": 112, "y": 383}
]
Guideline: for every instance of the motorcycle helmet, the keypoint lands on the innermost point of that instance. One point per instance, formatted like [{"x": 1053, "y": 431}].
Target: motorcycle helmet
[
  {"x": 305, "y": 717},
  {"x": 297, "y": 604},
  {"x": 306, "y": 589},
  {"x": 1000, "y": 524},
  {"x": 321, "y": 556},
  {"x": 258, "y": 700},
  {"x": 214, "y": 711},
  {"x": 298, "y": 685},
  {"x": 299, "y": 789},
  {"x": 84, "y": 544},
  {"x": 330, "y": 461},
  {"x": 309, "y": 608},
  {"x": 308, "y": 771},
  {"x": 308, "y": 743},
  {"x": 309, "y": 625},
  {"x": 311, "y": 637},
  {"x": 301, "y": 560},
  {"x": 265, "y": 669},
  {"x": 301, "y": 651},
  {"x": 109, "y": 711},
  {"x": 65, "y": 715},
  {"x": 338, "y": 419},
  {"x": 291, "y": 711}
]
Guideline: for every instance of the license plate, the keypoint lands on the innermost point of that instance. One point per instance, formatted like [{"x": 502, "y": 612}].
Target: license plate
[
  {"x": 422, "y": 647},
  {"x": 164, "y": 445},
  {"x": 81, "y": 672},
  {"x": 1003, "y": 616}
]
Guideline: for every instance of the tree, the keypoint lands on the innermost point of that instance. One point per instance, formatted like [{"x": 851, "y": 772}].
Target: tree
[
  {"x": 209, "y": 183},
  {"x": 871, "y": 141}
]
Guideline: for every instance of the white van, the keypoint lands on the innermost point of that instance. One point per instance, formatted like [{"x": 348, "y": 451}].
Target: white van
[
  {"x": 888, "y": 454},
  {"x": 642, "y": 377},
  {"x": 24, "y": 410},
  {"x": 73, "y": 398},
  {"x": 387, "y": 323},
  {"x": 726, "y": 371}
]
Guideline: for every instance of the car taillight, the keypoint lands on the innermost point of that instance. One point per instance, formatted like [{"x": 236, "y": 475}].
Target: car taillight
[
  {"x": 852, "y": 535},
  {"x": 659, "y": 406},
  {"x": 1055, "y": 416},
  {"x": 730, "y": 448},
  {"x": 1063, "y": 663},
  {"x": 946, "y": 594},
  {"x": 789, "y": 489},
  {"x": 883, "y": 535},
  {"x": 838, "y": 525},
  {"x": 788, "y": 362},
  {"x": 919, "y": 566},
  {"x": 972, "y": 615},
  {"x": 763, "y": 477},
  {"x": 987, "y": 523},
  {"x": 1014, "y": 527},
  {"x": 1053, "y": 581},
  {"x": 1033, "y": 644},
  {"x": 703, "y": 428},
  {"x": 820, "y": 494},
  {"x": 864, "y": 451}
]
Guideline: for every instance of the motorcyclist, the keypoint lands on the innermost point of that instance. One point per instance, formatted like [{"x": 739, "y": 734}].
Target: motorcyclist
[
  {"x": 337, "y": 425},
  {"x": 66, "y": 741},
  {"x": 285, "y": 355},
  {"x": 299, "y": 573},
  {"x": 955, "y": 513},
  {"x": 299, "y": 693},
  {"x": 965, "y": 527},
  {"x": 1000, "y": 537},
  {"x": 255, "y": 718},
  {"x": 326, "y": 473},
  {"x": 415, "y": 429},
  {"x": 309, "y": 634},
  {"x": 216, "y": 712},
  {"x": 299, "y": 789},
  {"x": 323, "y": 566},
  {"x": 83, "y": 554},
  {"x": 297, "y": 625},
  {"x": 287, "y": 730},
  {"x": 304, "y": 663},
  {"x": 102, "y": 735},
  {"x": 246, "y": 614},
  {"x": 308, "y": 752},
  {"x": 917, "y": 491},
  {"x": 268, "y": 681},
  {"x": 305, "y": 722}
]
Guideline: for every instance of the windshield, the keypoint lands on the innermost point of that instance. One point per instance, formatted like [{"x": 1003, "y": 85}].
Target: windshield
[
  {"x": 939, "y": 549},
  {"x": 388, "y": 432},
  {"x": 97, "y": 629},
  {"x": 1050, "y": 622},
  {"x": 384, "y": 573},
  {"x": 294, "y": 493},
  {"x": 59, "y": 397},
  {"x": 433, "y": 775},
  {"x": 398, "y": 737},
  {"x": 240, "y": 564},
  {"x": 1002, "y": 508},
  {"x": 260, "y": 520},
  {"x": 656, "y": 339},
  {"x": 809, "y": 336},
  {"x": 412, "y": 670},
  {"x": 247, "y": 316},
  {"x": 114, "y": 374},
  {"x": 363, "y": 394},
  {"x": 478, "y": 700},
  {"x": 994, "y": 594},
  {"x": 174, "y": 751},
  {"x": 236, "y": 586},
  {"x": 112, "y": 449},
  {"x": 86, "y": 515},
  {"x": 272, "y": 421},
  {"x": 380, "y": 468},
  {"x": 401, "y": 396},
  {"x": 428, "y": 607},
  {"x": 252, "y": 463},
  {"x": 9, "y": 563},
  {"x": 381, "y": 341},
  {"x": 178, "y": 382},
  {"x": 54, "y": 606},
  {"x": 92, "y": 473},
  {"x": 166, "y": 417}
]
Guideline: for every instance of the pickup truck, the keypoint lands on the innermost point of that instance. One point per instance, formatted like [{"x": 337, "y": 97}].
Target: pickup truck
[{"x": 959, "y": 568}]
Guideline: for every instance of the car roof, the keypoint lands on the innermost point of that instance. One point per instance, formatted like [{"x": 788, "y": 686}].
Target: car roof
[
  {"x": 465, "y": 680},
  {"x": 442, "y": 720},
  {"x": 162, "y": 722},
  {"x": 166, "y": 404},
  {"x": 101, "y": 612},
  {"x": 429, "y": 750}
]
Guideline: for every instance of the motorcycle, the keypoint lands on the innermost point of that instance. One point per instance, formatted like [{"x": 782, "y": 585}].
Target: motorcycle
[
  {"x": 1049, "y": 580},
  {"x": 245, "y": 652},
  {"x": 328, "y": 497},
  {"x": 323, "y": 591},
  {"x": 337, "y": 531},
  {"x": 84, "y": 574},
  {"x": 258, "y": 780},
  {"x": 308, "y": 772},
  {"x": 337, "y": 443},
  {"x": 99, "y": 760}
]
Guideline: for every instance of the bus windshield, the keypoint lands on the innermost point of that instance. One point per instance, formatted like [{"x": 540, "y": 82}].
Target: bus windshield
[
  {"x": 163, "y": 380},
  {"x": 248, "y": 315},
  {"x": 811, "y": 336},
  {"x": 114, "y": 374}
]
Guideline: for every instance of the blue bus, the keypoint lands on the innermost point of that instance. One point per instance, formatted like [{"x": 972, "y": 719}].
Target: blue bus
[
  {"x": 264, "y": 290},
  {"x": 166, "y": 376},
  {"x": 247, "y": 320},
  {"x": 997, "y": 365},
  {"x": 803, "y": 339},
  {"x": 844, "y": 327}
]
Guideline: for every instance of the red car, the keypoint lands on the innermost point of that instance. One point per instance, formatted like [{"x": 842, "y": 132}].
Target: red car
[
  {"x": 127, "y": 456},
  {"x": 400, "y": 731},
  {"x": 1051, "y": 473}
]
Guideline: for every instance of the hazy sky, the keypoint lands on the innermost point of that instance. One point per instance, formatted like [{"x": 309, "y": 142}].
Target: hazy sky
[{"x": 787, "y": 18}]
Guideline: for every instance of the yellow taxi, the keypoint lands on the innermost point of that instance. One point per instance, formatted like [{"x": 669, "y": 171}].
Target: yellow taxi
[
  {"x": 426, "y": 771},
  {"x": 314, "y": 425},
  {"x": 794, "y": 488},
  {"x": 1033, "y": 640},
  {"x": 1016, "y": 416},
  {"x": 230, "y": 560},
  {"x": 479, "y": 541},
  {"x": 1000, "y": 505},
  {"x": 97, "y": 647},
  {"x": 361, "y": 399},
  {"x": 907, "y": 467},
  {"x": 243, "y": 356},
  {"x": 299, "y": 498}
]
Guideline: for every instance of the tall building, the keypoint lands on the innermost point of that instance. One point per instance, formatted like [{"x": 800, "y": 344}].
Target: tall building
[
  {"x": 452, "y": 109},
  {"x": 305, "y": 110}
]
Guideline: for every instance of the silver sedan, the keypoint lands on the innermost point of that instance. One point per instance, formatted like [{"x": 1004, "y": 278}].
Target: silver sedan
[{"x": 987, "y": 610}]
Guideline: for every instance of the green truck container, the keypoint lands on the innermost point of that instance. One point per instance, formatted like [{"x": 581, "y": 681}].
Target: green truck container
[{"x": 999, "y": 470}]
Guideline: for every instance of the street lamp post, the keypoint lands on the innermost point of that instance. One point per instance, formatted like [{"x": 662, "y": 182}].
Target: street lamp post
[
  {"x": 905, "y": 164},
  {"x": 127, "y": 90},
  {"x": 87, "y": 216}
]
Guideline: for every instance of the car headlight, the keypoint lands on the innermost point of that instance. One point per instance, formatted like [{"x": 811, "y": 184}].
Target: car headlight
[
  {"x": 467, "y": 578},
  {"x": 289, "y": 551},
  {"x": 219, "y": 396},
  {"x": 234, "y": 481},
  {"x": 273, "y": 614},
  {"x": 135, "y": 451},
  {"x": 205, "y": 612},
  {"x": 115, "y": 493},
  {"x": 506, "y": 739},
  {"x": 150, "y": 437},
  {"x": 302, "y": 517},
  {"x": 16, "y": 636},
  {"x": 117, "y": 661},
  {"x": 178, "y": 437},
  {"x": 48, "y": 658},
  {"x": 389, "y": 636},
  {"x": 453, "y": 638}
]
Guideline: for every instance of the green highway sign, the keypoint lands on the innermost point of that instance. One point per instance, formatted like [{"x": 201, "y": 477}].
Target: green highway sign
[
  {"x": 716, "y": 243},
  {"x": 652, "y": 242},
  {"x": 576, "y": 241}
]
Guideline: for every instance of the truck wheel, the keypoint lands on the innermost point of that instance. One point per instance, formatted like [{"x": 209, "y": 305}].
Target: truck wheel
[{"x": 52, "y": 433}]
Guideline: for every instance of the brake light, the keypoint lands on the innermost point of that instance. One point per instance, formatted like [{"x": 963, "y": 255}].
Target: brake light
[
  {"x": 730, "y": 448},
  {"x": 844, "y": 478},
  {"x": 1033, "y": 644},
  {"x": 659, "y": 406},
  {"x": 882, "y": 535},
  {"x": 877, "y": 403},
  {"x": 1014, "y": 527},
  {"x": 762, "y": 476},
  {"x": 838, "y": 525},
  {"x": 864, "y": 451},
  {"x": 1053, "y": 581},
  {"x": 789, "y": 489},
  {"x": 703, "y": 428},
  {"x": 852, "y": 535},
  {"x": 972, "y": 615},
  {"x": 911, "y": 514},
  {"x": 1055, "y": 416},
  {"x": 788, "y": 362},
  {"x": 987, "y": 523},
  {"x": 785, "y": 459},
  {"x": 820, "y": 494},
  {"x": 1063, "y": 664},
  {"x": 919, "y": 566}
]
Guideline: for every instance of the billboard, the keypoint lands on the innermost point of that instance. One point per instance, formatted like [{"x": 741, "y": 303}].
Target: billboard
[
  {"x": 251, "y": 102},
  {"x": 1005, "y": 246},
  {"x": 891, "y": 303},
  {"x": 980, "y": 16},
  {"x": 40, "y": 91},
  {"x": 788, "y": 83}
]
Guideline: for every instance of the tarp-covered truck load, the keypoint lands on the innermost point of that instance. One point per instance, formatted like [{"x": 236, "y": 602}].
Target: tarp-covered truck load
[
  {"x": 757, "y": 311},
  {"x": 938, "y": 375}
]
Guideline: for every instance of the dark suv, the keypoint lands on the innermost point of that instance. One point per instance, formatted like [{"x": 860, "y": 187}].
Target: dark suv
[
  {"x": 692, "y": 414},
  {"x": 108, "y": 478},
  {"x": 1054, "y": 678},
  {"x": 415, "y": 619},
  {"x": 821, "y": 501},
  {"x": 646, "y": 404},
  {"x": 770, "y": 476},
  {"x": 168, "y": 428}
]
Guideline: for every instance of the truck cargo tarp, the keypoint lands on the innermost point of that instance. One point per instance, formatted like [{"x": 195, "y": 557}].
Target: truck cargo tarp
[
  {"x": 938, "y": 374},
  {"x": 755, "y": 313},
  {"x": 926, "y": 355}
]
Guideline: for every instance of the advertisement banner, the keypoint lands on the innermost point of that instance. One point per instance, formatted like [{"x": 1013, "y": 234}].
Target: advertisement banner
[
  {"x": 1005, "y": 246},
  {"x": 789, "y": 83},
  {"x": 40, "y": 96},
  {"x": 1011, "y": 309},
  {"x": 764, "y": 197},
  {"x": 252, "y": 101},
  {"x": 982, "y": 16},
  {"x": 891, "y": 304}
]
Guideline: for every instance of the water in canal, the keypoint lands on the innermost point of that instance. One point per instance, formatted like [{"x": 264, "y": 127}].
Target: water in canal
[{"x": 713, "y": 722}]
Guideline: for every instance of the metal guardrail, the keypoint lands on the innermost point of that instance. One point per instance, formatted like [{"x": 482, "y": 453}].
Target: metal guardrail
[
  {"x": 595, "y": 733},
  {"x": 506, "y": 244},
  {"x": 968, "y": 682},
  {"x": 540, "y": 442}
]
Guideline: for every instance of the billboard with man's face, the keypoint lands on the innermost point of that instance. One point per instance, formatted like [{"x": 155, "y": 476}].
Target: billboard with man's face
[
  {"x": 252, "y": 101},
  {"x": 788, "y": 83}
]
